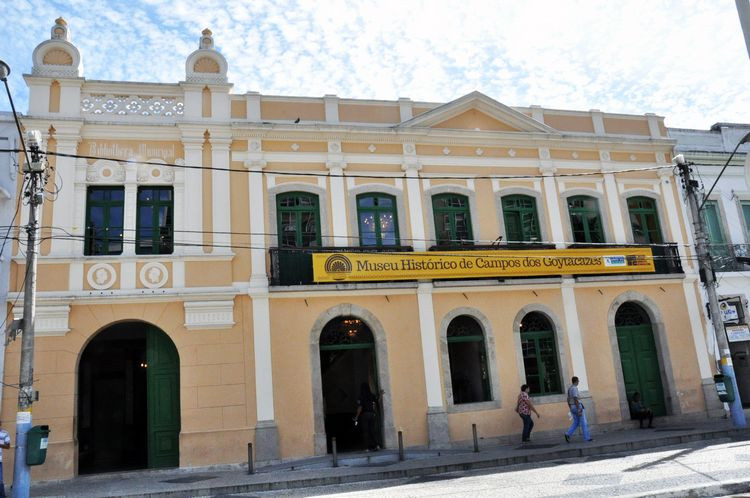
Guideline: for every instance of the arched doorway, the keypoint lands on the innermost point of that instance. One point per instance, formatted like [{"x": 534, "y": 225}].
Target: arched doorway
[
  {"x": 347, "y": 360},
  {"x": 639, "y": 356},
  {"x": 128, "y": 400}
]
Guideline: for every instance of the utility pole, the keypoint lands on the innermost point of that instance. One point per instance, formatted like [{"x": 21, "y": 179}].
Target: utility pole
[
  {"x": 35, "y": 192},
  {"x": 706, "y": 267}
]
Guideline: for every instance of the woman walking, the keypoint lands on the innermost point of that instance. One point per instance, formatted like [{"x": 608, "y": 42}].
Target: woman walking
[{"x": 524, "y": 408}]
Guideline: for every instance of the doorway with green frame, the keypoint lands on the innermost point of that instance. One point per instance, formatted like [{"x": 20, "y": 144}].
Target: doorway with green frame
[
  {"x": 128, "y": 400},
  {"x": 639, "y": 357},
  {"x": 347, "y": 360}
]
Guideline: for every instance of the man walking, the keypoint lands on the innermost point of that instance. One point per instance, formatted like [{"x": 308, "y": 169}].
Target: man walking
[
  {"x": 578, "y": 412},
  {"x": 4, "y": 444}
]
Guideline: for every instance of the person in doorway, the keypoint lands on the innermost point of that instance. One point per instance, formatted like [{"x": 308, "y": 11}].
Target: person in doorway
[
  {"x": 524, "y": 407},
  {"x": 4, "y": 445},
  {"x": 578, "y": 412},
  {"x": 367, "y": 409},
  {"x": 640, "y": 412}
]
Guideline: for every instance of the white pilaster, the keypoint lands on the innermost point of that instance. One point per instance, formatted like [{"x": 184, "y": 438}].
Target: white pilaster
[
  {"x": 653, "y": 125},
  {"x": 130, "y": 208},
  {"x": 220, "y": 198},
  {"x": 336, "y": 166},
  {"x": 193, "y": 205},
  {"x": 39, "y": 91},
  {"x": 696, "y": 328},
  {"x": 253, "y": 106},
  {"x": 79, "y": 209},
  {"x": 63, "y": 208},
  {"x": 429, "y": 346},
  {"x": 666, "y": 179},
  {"x": 332, "y": 108},
  {"x": 405, "y": 109},
  {"x": 127, "y": 275},
  {"x": 613, "y": 199},
  {"x": 573, "y": 327},
  {"x": 553, "y": 204},
  {"x": 220, "y": 103},
  {"x": 416, "y": 218},
  {"x": 258, "y": 276},
  {"x": 70, "y": 98},
  {"x": 537, "y": 113},
  {"x": 597, "y": 120},
  {"x": 263, "y": 364}
]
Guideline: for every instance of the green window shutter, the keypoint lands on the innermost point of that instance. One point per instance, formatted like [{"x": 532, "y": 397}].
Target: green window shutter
[
  {"x": 585, "y": 219},
  {"x": 644, "y": 220},
  {"x": 539, "y": 351},
  {"x": 521, "y": 219},
  {"x": 298, "y": 219},
  {"x": 155, "y": 221},
  {"x": 713, "y": 222},
  {"x": 746, "y": 216},
  {"x": 378, "y": 223},
  {"x": 452, "y": 219},
  {"x": 104, "y": 215}
]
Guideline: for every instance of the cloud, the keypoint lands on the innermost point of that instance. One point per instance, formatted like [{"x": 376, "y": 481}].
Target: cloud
[{"x": 684, "y": 60}]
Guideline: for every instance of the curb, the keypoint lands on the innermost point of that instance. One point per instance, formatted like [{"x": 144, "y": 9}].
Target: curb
[{"x": 472, "y": 461}]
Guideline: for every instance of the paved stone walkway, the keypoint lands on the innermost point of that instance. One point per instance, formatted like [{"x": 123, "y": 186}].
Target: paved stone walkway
[{"x": 208, "y": 481}]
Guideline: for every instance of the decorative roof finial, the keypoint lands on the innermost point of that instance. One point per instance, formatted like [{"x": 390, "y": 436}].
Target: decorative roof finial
[
  {"x": 60, "y": 30},
  {"x": 207, "y": 40}
]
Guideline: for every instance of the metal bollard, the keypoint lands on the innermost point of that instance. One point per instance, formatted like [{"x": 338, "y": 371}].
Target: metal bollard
[
  {"x": 400, "y": 446},
  {"x": 335, "y": 453},
  {"x": 476, "y": 441},
  {"x": 250, "y": 465}
]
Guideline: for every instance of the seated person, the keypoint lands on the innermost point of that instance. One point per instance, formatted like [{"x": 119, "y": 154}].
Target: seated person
[{"x": 640, "y": 412}]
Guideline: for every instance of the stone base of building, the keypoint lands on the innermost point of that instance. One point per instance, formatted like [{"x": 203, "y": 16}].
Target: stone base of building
[
  {"x": 438, "y": 430},
  {"x": 266, "y": 445}
]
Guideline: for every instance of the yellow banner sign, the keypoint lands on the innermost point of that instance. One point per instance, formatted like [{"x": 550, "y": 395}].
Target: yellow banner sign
[{"x": 363, "y": 267}]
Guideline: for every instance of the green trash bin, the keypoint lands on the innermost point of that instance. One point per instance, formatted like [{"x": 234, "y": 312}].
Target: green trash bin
[
  {"x": 36, "y": 444},
  {"x": 724, "y": 388}
]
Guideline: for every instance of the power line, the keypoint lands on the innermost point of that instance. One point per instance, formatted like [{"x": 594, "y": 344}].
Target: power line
[{"x": 354, "y": 175}]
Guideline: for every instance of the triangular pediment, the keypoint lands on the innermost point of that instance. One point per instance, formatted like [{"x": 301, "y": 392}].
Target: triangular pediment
[{"x": 476, "y": 111}]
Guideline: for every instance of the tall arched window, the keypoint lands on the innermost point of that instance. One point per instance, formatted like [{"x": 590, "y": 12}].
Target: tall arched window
[
  {"x": 521, "y": 219},
  {"x": 452, "y": 219},
  {"x": 470, "y": 378},
  {"x": 378, "y": 223},
  {"x": 298, "y": 219},
  {"x": 585, "y": 220},
  {"x": 539, "y": 350},
  {"x": 644, "y": 219}
]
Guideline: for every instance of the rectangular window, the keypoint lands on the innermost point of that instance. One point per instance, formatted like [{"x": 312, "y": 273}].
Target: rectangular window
[
  {"x": 378, "y": 224},
  {"x": 746, "y": 216},
  {"x": 155, "y": 221},
  {"x": 104, "y": 212}
]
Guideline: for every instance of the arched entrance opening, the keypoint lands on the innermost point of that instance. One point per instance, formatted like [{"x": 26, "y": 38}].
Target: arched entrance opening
[
  {"x": 639, "y": 356},
  {"x": 128, "y": 400},
  {"x": 347, "y": 360}
]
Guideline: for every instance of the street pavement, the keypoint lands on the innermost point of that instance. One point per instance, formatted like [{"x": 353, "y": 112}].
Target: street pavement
[
  {"x": 548, "y": 454},
  {"x": 705, "y": 468}
]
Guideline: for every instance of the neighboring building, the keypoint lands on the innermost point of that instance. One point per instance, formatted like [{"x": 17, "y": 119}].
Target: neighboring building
[
  {"x": 727, "y": 221},
  {"x": 179, "y": 317}
]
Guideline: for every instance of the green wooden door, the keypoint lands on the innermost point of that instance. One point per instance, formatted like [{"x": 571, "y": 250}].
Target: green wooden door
[
  {"x": 640, "y": 365},
  {"x": 163, "y": 388}
]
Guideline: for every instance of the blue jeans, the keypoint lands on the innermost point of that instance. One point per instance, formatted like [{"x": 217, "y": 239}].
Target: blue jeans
[
  {"x": 579, "y": 420},
  {"x": 528, "y": 424}
]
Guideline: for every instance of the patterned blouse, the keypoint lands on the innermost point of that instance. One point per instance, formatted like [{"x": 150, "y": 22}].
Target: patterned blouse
[{"x": 523, "y": 404}]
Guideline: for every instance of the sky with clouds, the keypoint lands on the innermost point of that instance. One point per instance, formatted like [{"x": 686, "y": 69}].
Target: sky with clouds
[{"x": 685, "y": 60}]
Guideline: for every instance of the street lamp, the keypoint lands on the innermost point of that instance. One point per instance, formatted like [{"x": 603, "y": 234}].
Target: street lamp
[{"x": 706, "y": 267}]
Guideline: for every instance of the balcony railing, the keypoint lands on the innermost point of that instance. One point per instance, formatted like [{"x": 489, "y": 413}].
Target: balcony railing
[
  {"x": 293, "y": 266},
  {"x": 724, "y": 256},
  {"x": 666, "y": 256}
]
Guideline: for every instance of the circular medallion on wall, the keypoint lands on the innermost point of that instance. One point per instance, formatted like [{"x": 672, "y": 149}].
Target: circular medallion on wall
[
  {"x": 154, "y": 275},
  {"x": 101, "y": 276}
]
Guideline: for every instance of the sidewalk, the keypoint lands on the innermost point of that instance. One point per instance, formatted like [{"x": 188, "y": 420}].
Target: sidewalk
[{"x": 354, "y": 467}]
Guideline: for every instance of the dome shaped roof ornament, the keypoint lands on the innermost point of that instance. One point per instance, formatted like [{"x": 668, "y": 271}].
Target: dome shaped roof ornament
[
  {"x": 206, "y": 65},
  {"x": 57, "y": 57}
]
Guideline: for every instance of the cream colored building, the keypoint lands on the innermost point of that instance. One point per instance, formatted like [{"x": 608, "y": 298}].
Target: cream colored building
[{"x": 177, "y": 316}]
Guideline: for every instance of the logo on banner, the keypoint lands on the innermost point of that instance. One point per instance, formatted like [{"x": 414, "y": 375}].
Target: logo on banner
[
  {"x": 338, "y": 266},
  {"x": 615, "y": 261}
]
